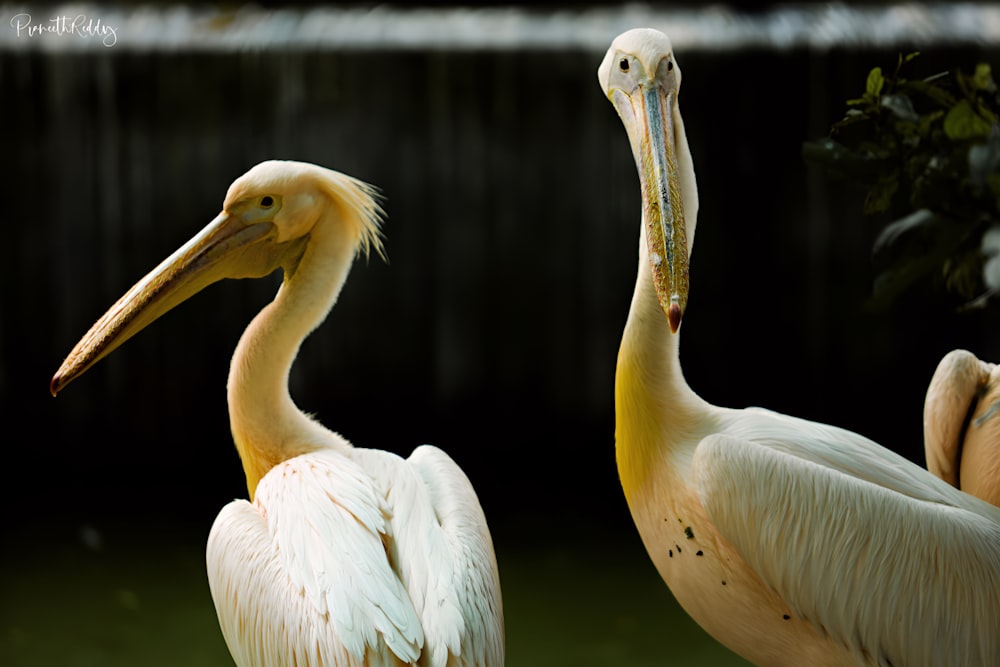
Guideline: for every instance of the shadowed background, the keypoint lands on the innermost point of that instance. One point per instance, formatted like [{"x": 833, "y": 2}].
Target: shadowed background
[{"x": 512, "y": 226}]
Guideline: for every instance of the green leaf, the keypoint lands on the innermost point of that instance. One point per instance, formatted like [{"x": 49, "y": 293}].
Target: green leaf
[
  {"x": 962, "y": 123},
  {"x": 875, "y": 81},
  {"x": 983, "y": 79}
]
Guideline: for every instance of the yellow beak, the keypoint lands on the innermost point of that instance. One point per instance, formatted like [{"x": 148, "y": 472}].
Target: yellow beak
[
  {"x": 228, "y": 247},
  {"x": 648, "y": 115}
]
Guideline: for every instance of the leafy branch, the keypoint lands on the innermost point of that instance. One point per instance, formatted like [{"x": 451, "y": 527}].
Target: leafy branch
[{"x": 927, "y": 152}]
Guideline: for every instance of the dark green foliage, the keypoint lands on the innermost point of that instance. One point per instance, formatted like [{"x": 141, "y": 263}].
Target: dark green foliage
[{"x": 927, "y": 153}]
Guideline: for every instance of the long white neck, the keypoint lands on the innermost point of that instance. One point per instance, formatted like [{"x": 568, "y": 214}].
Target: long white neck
[
  {"x": 655, "y": 409},
  {"x": 647, "y": 343},
  {"x": 267, "y": 425},
  {"x": 649, "y": 375}
]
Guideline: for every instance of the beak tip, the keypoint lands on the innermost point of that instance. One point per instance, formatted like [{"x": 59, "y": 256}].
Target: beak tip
[
  {"x": 55, "y": 385},
  {"x": 674, "y": 316}
]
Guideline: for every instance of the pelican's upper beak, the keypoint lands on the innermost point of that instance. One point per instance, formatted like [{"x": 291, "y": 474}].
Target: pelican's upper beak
[
  {"x": 229, "y": 247},
  {"x": 648, "y": 110}
]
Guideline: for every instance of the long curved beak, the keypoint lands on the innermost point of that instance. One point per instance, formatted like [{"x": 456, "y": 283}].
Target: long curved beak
[
  {"x": 648, "y": 116},
  {"x": 227, "y": 248}
]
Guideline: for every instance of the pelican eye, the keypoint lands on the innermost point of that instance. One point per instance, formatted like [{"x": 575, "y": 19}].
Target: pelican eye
[
  {"x": 670, "y": 65},
  {"x": 266, "y": 201},
  {"x": 623, "y": 64}
]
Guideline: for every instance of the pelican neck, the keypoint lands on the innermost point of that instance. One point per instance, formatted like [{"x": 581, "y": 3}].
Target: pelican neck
[
  {"x": 654, "y": 406},
  {"x": 267, "y": 426}
]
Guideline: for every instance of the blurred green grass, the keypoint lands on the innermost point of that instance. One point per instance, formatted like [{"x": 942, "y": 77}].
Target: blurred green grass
[{"x": 144, "y": 600}]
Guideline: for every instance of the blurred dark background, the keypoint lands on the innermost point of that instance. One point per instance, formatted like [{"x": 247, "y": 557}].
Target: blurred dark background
[{"x": 512, "y": 226}]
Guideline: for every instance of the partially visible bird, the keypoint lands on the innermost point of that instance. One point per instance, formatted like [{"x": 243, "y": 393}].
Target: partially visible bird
[
  {"x": 962, "y": 424},
  {"x": 344, "y": 556},
  {"x": 791, "y": 542}
]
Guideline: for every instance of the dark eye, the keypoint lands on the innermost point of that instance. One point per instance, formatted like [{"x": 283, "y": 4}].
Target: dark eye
[
  {"x": 266, "y": 201},
  {"x": 670, "y": 65},
  {"x": 623, "y": 64}
]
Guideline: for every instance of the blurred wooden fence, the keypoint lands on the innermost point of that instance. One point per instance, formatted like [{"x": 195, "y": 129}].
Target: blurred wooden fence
[{"x": 512, "y": 229}]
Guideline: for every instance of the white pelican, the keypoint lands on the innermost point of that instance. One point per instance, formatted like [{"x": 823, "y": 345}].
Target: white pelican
[
  {"x": 791, "y": 542},
  {"x": 962, "y": 425},
  {"x": 344, "y": 556}
]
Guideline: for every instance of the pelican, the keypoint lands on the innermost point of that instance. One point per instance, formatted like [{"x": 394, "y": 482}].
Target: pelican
[
  {"x": 343, "y": 556},
  {"x": 961, "y": 425},
  {"x": 791, "y": 542}
]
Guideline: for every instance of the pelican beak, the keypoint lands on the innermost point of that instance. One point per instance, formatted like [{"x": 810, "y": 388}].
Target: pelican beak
[
  {"x": 648, "y": 113},
  {"x": 229, "y": 247}
]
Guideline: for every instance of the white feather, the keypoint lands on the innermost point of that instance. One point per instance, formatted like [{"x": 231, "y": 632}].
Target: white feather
[
  {"x": 313, "y": 537},
  {"x": 882, "y": 554},
  {"x": 444, "y": 555}
]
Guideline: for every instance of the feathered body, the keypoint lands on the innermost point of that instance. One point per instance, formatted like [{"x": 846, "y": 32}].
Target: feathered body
[
  {"x": 343, "y": 556},
  {"x": 791, "y": 542},
  {"x": 962, "y": 425}
]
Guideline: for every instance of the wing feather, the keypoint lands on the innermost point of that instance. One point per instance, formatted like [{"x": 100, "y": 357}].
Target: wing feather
[
  {"x": 908, "y": 572},
  {"x": 474, "y": 579},
  {"x": 303, "y": 571},
  {"x": 442, "y": 550}
]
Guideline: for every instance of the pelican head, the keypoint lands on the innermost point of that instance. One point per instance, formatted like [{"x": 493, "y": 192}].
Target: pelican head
[
  {"x": 641, "y": 78},
  {"x": 266, "y": 222}
]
